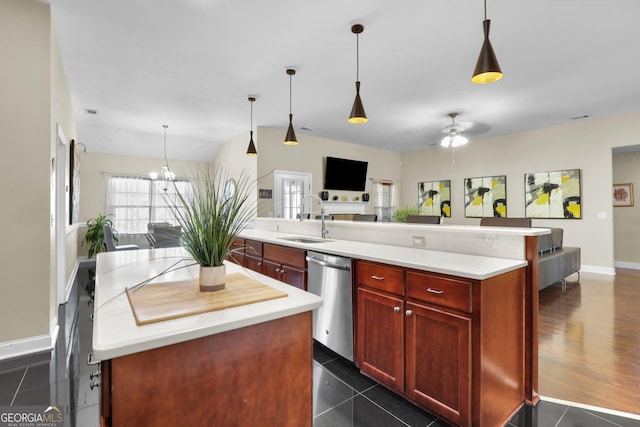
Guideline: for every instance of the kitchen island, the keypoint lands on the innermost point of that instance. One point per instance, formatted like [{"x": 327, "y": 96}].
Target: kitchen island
[
  {"x": 440, "y": 324},
  {"x": 247, "y": 365}
]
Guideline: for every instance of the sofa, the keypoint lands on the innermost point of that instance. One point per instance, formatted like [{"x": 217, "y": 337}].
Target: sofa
[{"x": 555, "y": 261}]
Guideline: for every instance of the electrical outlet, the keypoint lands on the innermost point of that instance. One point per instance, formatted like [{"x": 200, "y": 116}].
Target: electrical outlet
[{"x": 418, "y": 242}]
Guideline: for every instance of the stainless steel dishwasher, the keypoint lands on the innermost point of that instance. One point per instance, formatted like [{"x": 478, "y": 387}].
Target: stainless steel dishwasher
[{"x": 329, "y": 276}]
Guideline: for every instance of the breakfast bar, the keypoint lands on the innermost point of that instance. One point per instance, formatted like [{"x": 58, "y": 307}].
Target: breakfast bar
[{"x": 216, "y": 368}]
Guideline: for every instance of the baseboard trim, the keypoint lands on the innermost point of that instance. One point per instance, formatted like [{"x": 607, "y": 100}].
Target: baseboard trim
[
  {"x": 629, "y": 265},
  {"x": 37, "y": 344},
  {"x": 591, "y": 408},
  {"x": 596, "y": 269},
  {"x": 71, "y": 281}
]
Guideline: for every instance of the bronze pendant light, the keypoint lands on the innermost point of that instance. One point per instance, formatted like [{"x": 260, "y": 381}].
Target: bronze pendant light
[
  {"x": 358, "y": 116},
  {"x": 487, "y": 68},
  {"x": 251, "y": 150},
  {"x": 290, "y": 138}
]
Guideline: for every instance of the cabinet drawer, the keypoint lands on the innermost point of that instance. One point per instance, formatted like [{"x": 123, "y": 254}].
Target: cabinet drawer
[
  {"x": 285, "y": 255},
  {"x": 439, "y": 290},
  {"x": 380, "y": 276},
  {"x": 253, "y": 248},
  {"x": 238, "y": 244}
]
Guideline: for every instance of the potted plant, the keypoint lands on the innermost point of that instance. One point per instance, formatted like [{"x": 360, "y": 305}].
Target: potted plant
[
  {"x": 95, "y": 234},
  {"x": 211, "y": 218},
  {"x": 401, "y": 214}
]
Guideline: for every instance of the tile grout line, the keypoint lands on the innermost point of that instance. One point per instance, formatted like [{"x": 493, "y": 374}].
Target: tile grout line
[{"x": 19, "y": 385}]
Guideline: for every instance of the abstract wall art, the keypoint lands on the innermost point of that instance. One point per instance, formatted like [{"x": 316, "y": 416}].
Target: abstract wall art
[
  {"x": 555, "y": 194},
  {"x": 623, "y": 195},
  {"x": 434, "y": 198},
  {"x": 485, "y": 197}
]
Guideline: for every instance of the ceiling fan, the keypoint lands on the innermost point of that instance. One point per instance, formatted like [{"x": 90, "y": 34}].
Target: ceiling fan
[{"x": 453, "y": 137}]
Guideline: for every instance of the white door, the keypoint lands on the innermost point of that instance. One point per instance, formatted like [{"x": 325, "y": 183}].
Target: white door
[{"x": 289, "y": 190}]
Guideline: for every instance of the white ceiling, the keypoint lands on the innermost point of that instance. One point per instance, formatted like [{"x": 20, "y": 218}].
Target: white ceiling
[{"x": 191, "y": 64}]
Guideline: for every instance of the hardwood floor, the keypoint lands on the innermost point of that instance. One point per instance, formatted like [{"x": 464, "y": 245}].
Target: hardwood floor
[{"x": 589, "y": 341}]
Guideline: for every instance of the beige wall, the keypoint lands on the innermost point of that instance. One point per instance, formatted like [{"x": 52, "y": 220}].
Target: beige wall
[
  {"x": 95, "y": 169},
  {"x": 232, "y": 155},
  {"x": 584, "y": 145},
  {"x": 26, "y": 123},
  {"x": 626, "y": 220},
  {"x": 308, "y": 156}
]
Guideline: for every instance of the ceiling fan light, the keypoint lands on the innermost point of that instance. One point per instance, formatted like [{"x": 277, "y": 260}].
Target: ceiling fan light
[
  {"x": 487, "y": 68},
  {"x": 458, "y": 140},
  {"x": 358, "y": 116},
  {"x": 290, "y": 138}
]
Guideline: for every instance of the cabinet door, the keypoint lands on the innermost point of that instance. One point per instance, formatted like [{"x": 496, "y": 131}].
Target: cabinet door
[
  {"x": 271, "y": 269},
  {"x": 294, "y": 276},
  {"x": 380, "y": 338},
  {"x": 237, "y": 258},
  {"x": 438, "y": 361}
]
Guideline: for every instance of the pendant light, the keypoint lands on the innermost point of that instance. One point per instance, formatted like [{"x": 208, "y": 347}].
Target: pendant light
[
  {"x": 358, "y": 116},
  {"x": 290, "y": 138},
  {"x": 487, "y": 68},
  {"x": 251, "y": 150}
]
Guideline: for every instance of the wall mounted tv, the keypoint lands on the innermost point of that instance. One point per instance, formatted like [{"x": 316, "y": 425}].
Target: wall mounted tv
[{"x": 345, "y": 174}]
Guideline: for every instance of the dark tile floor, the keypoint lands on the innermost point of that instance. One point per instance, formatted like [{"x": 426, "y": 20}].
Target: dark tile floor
[{"x": 342, "y": 397}]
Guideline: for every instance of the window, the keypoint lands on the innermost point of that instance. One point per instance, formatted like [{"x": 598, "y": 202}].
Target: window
[{"x": 135, "y": 202}]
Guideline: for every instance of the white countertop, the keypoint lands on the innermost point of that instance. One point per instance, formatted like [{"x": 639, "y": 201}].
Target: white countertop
[
  {"x": 115, "y": 332},
  {"x": 456, "y": 264}
]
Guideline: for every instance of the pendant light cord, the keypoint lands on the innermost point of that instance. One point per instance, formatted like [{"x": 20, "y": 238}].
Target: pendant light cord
[
  {"x": 290, "y": 97},
  {"x": 165, "y": 146},
  {"x": 357, "y": 57}
]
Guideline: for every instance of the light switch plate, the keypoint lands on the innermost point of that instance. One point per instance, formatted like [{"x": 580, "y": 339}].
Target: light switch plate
[{"x": 418, "y": 241}]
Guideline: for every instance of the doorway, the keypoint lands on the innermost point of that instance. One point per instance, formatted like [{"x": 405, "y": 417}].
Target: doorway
[{"x": 289, "y": 190}]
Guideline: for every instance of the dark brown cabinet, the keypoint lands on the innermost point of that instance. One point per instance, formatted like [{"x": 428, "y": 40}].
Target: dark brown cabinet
[
  {"x": 380, "y": 342},
  {"x": 243, "y": 369},
  {"x": 286, "y": 264},
  {"x": 438, "y": 361},
  {"x": 451, "y": 345}
]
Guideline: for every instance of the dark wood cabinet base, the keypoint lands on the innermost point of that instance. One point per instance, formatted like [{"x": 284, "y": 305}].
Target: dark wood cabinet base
[{"x": 257, "y": 375}]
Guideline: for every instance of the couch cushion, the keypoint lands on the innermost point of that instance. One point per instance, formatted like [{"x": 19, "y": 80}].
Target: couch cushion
[{"x": 550, "y": 242}]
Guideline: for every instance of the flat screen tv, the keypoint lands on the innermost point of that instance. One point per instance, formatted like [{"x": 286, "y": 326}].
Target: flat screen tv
[{"x": 345, "y": 174}]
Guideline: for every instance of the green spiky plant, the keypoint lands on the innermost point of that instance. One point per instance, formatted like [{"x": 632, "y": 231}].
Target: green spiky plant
[
  {"x": 95, "y": 234},
  {"x": 401, "y": 214},
  {"x": 211, "y": 217}
]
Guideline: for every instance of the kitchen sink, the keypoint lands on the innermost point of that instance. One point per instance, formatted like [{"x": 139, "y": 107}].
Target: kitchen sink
[{"x": 303, "y": 239}]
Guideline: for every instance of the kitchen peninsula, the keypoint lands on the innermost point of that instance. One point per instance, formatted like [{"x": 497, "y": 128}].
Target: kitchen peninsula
[
  {"x": 217, "y": 368},
  {"x": 442, "y": 313}
]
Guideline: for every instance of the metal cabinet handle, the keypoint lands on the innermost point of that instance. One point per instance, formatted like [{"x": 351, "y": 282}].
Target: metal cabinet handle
[
  {"x": 90, "y": 360},
  {"x": 374, "y": 277},
  {"x": 408, "y": 312},
  {"x": 259, "y": 264},
  {"x": 278, "y": 270},
  {"x": 94, "y": 375},
  {"x": 435, "y": 291},
  {"x": 396, "y": 309},
  {"x": 94, "y": 384}
]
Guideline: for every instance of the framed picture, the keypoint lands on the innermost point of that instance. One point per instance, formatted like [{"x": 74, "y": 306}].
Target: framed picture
[
  {"x": 555, "y": 194},
  {"x": 485, "y": 197},
  {"x": 434, "y": 198},
  {"x": 622, "y": 195}
]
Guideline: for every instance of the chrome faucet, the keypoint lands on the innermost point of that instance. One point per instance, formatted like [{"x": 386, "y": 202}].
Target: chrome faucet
[{"x": 323, "y": 232}]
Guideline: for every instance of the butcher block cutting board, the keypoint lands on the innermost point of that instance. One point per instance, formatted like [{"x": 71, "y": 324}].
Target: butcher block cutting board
[{"x": 157, "y": 302}]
